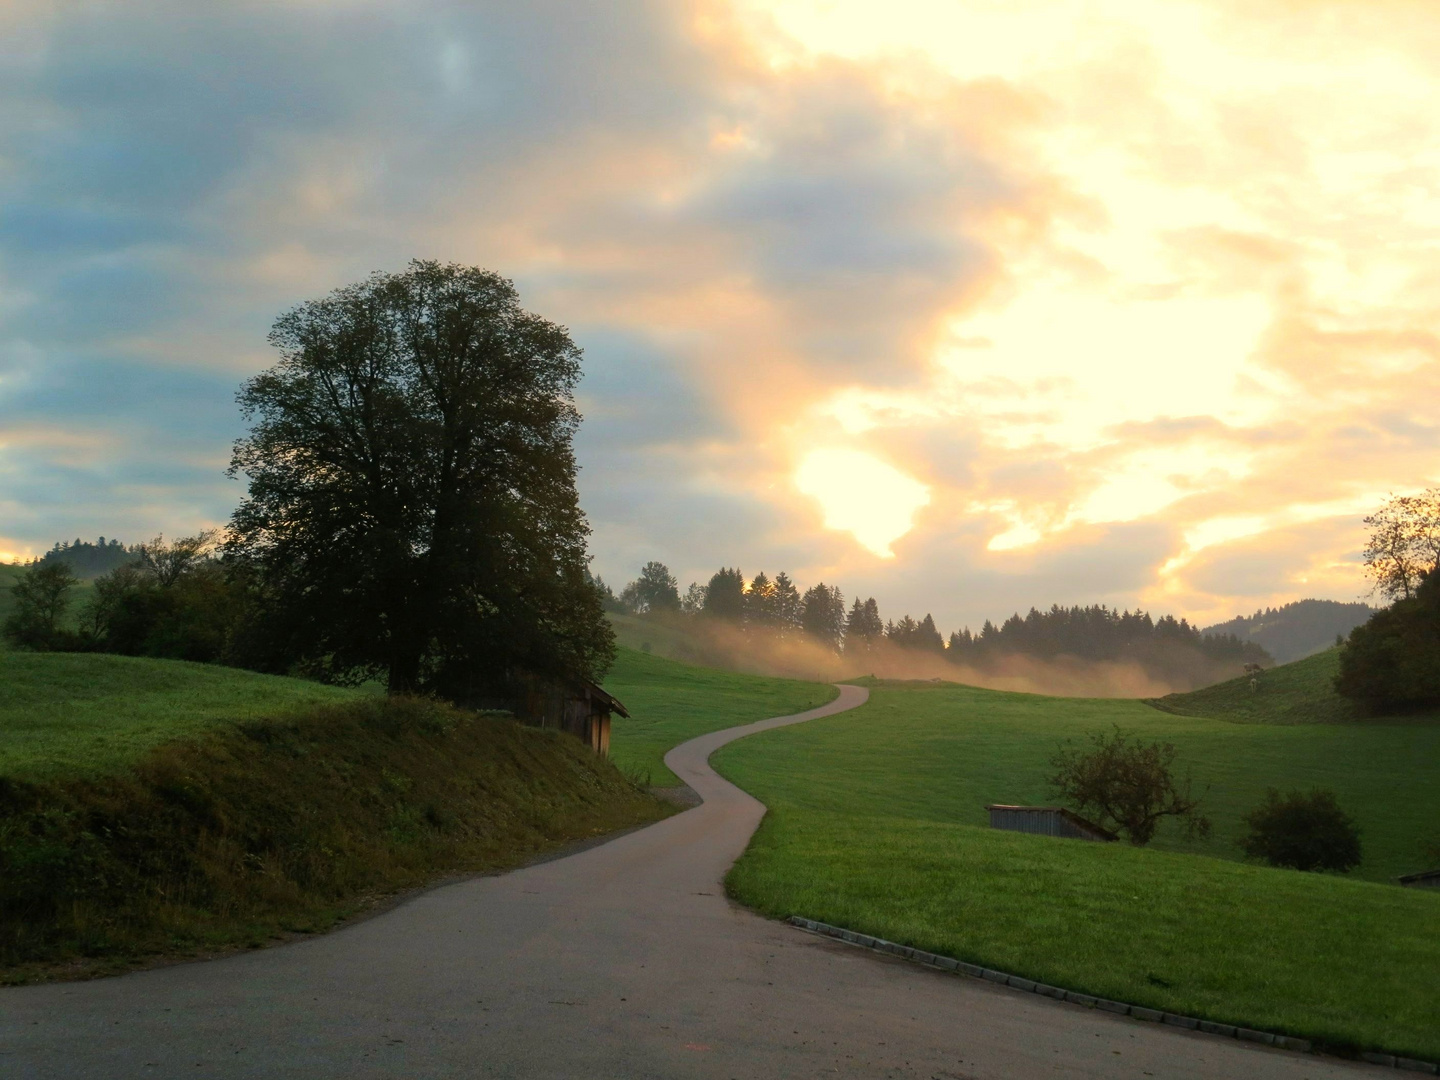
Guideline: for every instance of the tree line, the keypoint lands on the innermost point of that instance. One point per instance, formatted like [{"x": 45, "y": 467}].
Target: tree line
[
  {"x": 777, "y": 606},
  {"x": 89, "y": 560}
]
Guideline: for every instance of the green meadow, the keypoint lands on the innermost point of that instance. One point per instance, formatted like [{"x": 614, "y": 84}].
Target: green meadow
[
  {"x": 670, "y": 702},
  {"x": 877, "y": 823},
  {"x": 87, "y": 714}
]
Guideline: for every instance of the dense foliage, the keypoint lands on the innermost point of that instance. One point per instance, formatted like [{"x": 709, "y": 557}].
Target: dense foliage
[
  {"x": 412, "y": 511},
  {"x": 1392, "y": 663},
  {"x": 1304, "y": 831},
  {"x": 172, "y": 600}
]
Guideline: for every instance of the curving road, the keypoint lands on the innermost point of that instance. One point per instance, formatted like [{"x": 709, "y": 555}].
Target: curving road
[{"x": 624, "y": 960}]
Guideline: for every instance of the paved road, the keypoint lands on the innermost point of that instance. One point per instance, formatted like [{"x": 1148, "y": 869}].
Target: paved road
[{"x": 625, "y": 960}]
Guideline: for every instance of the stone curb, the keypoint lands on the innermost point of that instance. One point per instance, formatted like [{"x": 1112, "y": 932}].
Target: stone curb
[{"x": 946, "y": 963}]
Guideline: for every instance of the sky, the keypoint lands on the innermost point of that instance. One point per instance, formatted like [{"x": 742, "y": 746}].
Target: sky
[{"x": 968, "y": 305}]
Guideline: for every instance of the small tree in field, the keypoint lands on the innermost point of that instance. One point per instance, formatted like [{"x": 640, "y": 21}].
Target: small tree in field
[
  {"x": 41, "y": 597},
  {"x": 1302, "y": 831},
  {"x": 1126, "y": 785}
]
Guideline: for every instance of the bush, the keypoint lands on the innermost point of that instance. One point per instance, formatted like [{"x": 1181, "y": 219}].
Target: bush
[
  {"x": 1392, "y": 662},
  {"x": 1302, "y": 831},
  {"x": 1128, "y": 786}
]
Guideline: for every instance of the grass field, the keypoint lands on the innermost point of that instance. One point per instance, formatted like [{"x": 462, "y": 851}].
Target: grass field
[
  {"x": 91, "y": 713},
  {"x": 877, "y": 823},
  {"x": 670, "y": 702}
]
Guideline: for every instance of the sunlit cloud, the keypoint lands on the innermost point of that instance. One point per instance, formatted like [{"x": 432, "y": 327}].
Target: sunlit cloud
[{"x": 874, "y": 502}]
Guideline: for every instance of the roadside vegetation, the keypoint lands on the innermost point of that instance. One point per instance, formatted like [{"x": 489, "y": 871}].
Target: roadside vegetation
[
  {"x": 671, "y": 702},
  {"x": 877, "y": 823},
  {"x": 155, "y": 809}
]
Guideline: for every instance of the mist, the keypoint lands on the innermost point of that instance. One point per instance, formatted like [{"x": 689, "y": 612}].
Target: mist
[{"x": 719, "y": 644}]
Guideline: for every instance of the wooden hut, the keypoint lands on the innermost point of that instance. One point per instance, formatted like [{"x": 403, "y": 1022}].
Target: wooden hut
[
  {"x": 1046, "y": 821},
  {"x": 1426, "y": 879},
  {"x": 582, "y": 709}
]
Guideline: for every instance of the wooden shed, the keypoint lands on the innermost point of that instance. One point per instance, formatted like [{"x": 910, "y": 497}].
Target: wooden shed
[
  {"x": 1046, "y": 821},
  {"x": 582, "y": 709},
  {"x": 1426, "y": 879}
]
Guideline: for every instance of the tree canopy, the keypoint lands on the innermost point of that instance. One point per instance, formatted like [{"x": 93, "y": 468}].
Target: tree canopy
[
  {"x": 655, "y": 590},
  {"x": 412, "y": 511},
  {"x": 1404, "y": 543}
]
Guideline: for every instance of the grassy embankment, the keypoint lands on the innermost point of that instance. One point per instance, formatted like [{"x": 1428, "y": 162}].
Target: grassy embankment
[
  {"x": 153, "y": 808},
  {"x": 670, "y": 702},
  {"x": 876, "y": 823}
]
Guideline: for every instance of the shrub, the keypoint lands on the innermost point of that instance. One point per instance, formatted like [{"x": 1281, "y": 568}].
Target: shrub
[
  {"x": 1128, "y": 786},
  {"x": 1302, "y": 831}
]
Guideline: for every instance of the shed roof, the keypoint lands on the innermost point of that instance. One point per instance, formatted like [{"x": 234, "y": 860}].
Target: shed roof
[
  {"x": 605, "y": 697},
  {"x": 1422, "y": 876},
  {"x": 1069, "y": 815}
]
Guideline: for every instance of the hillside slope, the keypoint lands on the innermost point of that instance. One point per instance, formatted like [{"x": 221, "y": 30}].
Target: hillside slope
[
  {"x": 71, "y": 714},
  {"x": 1301, "y": 692},
  {"x": 151, "y": 808}
]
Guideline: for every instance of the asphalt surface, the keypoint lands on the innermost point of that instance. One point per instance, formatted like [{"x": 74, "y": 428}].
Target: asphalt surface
[{"x": 624, "y": 960}]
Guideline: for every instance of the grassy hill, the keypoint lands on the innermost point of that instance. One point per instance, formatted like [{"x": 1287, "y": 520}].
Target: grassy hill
[
  {"x": 1297, "y": 693},
  {"x": 73, "y": 714},
  {"x": 670, "y": 702},
  {"x": 877, "y": 823},
  {"x": 158, "y": 808}
]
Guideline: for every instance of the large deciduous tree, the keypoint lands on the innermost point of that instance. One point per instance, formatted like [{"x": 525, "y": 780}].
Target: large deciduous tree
[{"x": 412, "y": 510}]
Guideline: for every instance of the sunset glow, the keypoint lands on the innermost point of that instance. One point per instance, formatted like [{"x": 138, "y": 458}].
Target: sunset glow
[{"x": 862, "y": 496}]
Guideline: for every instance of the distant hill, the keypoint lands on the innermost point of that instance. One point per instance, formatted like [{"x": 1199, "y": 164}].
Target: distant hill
[
  {"x": 1296, "y": 630},
  {"x": 88, "y": 560}
]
